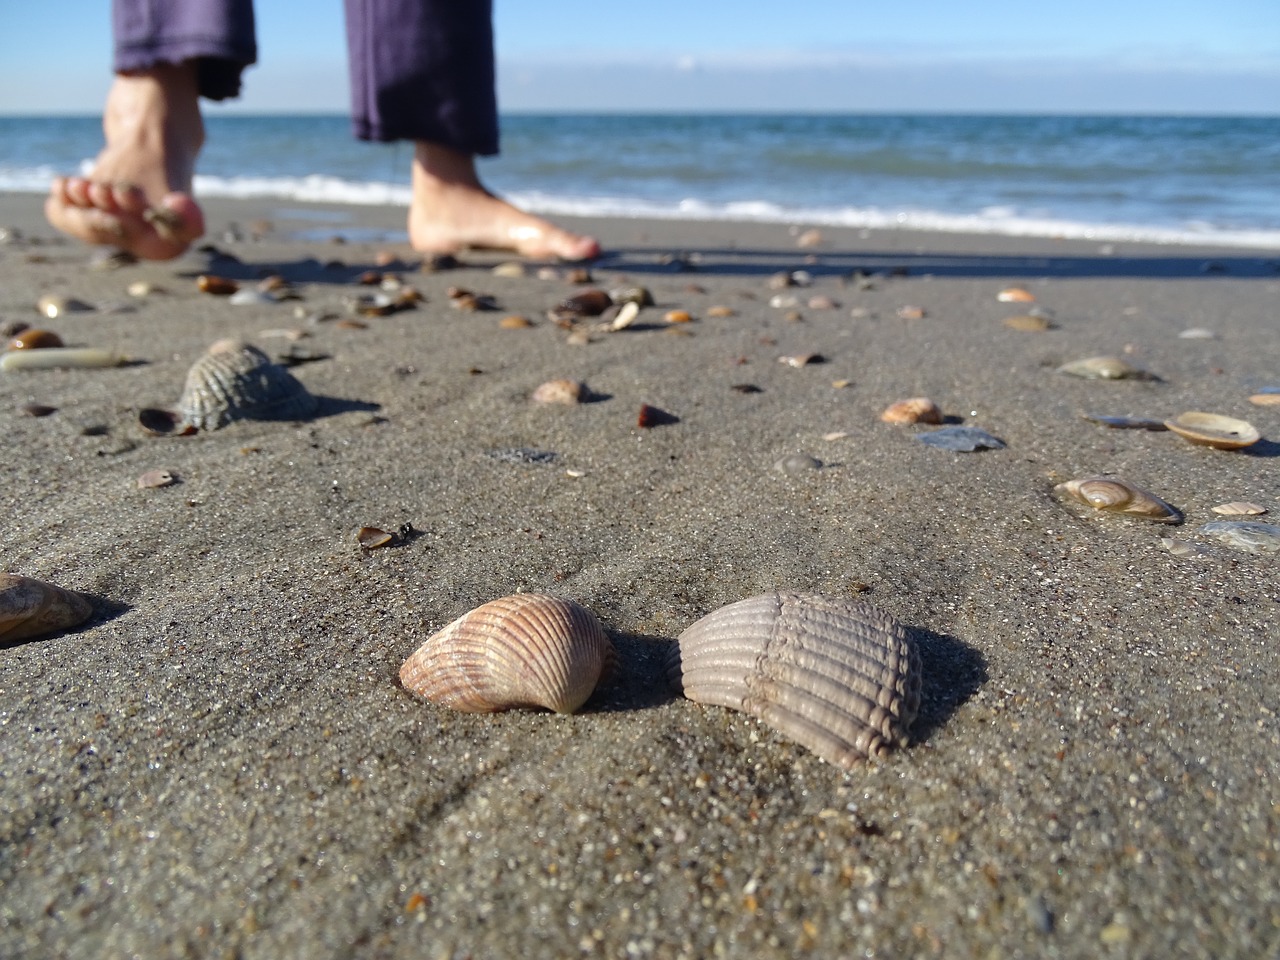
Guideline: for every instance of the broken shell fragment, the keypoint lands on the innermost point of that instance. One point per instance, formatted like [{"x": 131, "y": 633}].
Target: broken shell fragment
[
  {"x": 1214, "y": 430},
  {"x": 961, "y": 439},
  {"x": 1251, "y": 536},
  {"x": 1104, "y": 368},
  {"x": 31, "y": 608},
  {"x": 371, "y": 538},
  {"x": 50, "y": 358},
  {"x": 157, "y": 478},
  {"x": 802, "y": 359},
  {"x": 215, "y": 285},
  {"x": 1029, "y": 323},
  {"x": 235, "y": 380},
  {"x": 54, "y": 305},
  {"x": 910, "y": 312},
  {"x": 1119, "y": 496},
  {"x": 1239, "y": 508},
  {"x": 515, "y": 321},
  {"x": 33, "y": 339},
  {"x": 528, "y": 650},
  {"x": 654, "y": 417},
  {"x": 913, "y": 410},
  {"x": 625, "y": 316},
  {"x": 566, "y": 392},
  {"x": 1126, "y": 423},
  {"x": 839, "y": 677}
]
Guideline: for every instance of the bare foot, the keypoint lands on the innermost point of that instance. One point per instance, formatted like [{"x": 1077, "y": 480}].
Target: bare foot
[
  {"x": 451, "y": 210},
  {"x": 138, "y": 196}
]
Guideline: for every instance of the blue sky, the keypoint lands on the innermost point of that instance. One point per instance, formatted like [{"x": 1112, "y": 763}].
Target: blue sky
[{"x": 1175, "y": 56}]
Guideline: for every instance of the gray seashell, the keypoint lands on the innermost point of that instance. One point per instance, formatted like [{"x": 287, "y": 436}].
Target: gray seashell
[
  {"x": 1251, "y": 536},
  {"x": 1119, "y": 496},
  {"x": 961, "y": 439},
  {"x": 1125, "y": 422},
  {"x": 31, "y": 608},
  {"x": 528, "y": 650},
  {"x": 1105, "y": 368},
  {"x": 251, "y": 297},
  {"x": 837, "y": 676},
  {"x": 235, "y": 380}
]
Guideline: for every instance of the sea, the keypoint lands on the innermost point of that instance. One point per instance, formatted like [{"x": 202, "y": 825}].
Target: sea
[{"x": 1164, "y": 179}]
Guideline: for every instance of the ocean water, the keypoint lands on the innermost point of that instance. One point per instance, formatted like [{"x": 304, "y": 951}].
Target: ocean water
[{"x": 1162, "y": 179}]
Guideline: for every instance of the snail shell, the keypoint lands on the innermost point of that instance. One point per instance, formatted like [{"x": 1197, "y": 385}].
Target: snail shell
[
  {"x": 32, "y": 608},
  {"x": 527, "y": 650},
  {"x": 1120, "y": 496},
  {"x": 235, "y": 380},
  {"x": 839, "y": 677}
]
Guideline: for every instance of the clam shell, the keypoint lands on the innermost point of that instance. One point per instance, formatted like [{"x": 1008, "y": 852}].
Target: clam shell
[
  {"x": 1214, "y": 430},
  {"x": 912, "y": 410},
  {"x": 1119, "y": 496},
  {"x": 837, "y": 676},
  {"x": 32, "y": 608},
  {"x": 1251, "y": 536},
  {"x": 528, "y": 650},
  {"x": 1104, "y": 368},
  {"x": 235, "y": 380}
]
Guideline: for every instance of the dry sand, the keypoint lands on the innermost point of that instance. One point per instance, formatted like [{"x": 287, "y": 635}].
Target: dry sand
[{"x": 222, "y": 764}]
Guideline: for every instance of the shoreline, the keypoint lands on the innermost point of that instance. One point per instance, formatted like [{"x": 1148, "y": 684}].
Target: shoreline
[{"x": 221, "y": 760}]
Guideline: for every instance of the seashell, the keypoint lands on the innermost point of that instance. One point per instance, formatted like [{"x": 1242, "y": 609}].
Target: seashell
[
  {"x": 250, "y": 297},
  {"x": 235, "y": 380},
  {"x": 1267, "y": 398},
  {"x": 910, "y": 312},
  {"x": 1126, "y": 423},
  {"x": 797, "y": 464},
  {"x": 67, "y": 358},
  {"x": 1239, "y": 508},
  {"x": 588, "y": 303},
  {"x": 625, "y": 316},
  {"x": 157, "y": 478},
  {"x": 567, "y": 392},
  {"x": 515, "y": 321},
  {"x": 961, "y": 439},
  {"x": 654, "y": 417},
  {"x": 1197, "y": 333},
  {"x": 528, "y": 650},
  {"x": 638, "y": 295},
  {"x": 1104, "y": 368},
  {"x": 913, "y": 410},
  {"x": 215, "y": 285},
  {"x": 810, "y": 238},
  {"x": 1029, "y": 323},
  {"x": 837, "y": 676},
  {"x": 144, "y": 288},
  {"x": 720, "y": 312},
  {"x": 31, "y": 608},
  {"x": 677, "y": 316},
  {"x": 512, "y": 269},
  {"x": 371, "y": 538},
  {"x": 33, "y": 339},
  {"x": 52, "y": 305},
  {"x": 1119, "y": 496},
  {"x": 802, "y": 359},
  {"x": 783, "y": 301},
  {"x": 1214, "y": 430},
  {"x": 1251, "y": 536},
  {"x": 1180, "y": 548},
  {"x": 1015, "y": 295},
  {"x": 822, "y": 302}
]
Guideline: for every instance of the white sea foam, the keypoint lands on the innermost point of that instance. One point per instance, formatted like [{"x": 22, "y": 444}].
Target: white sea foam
[{"x": 1003, "y": 221}]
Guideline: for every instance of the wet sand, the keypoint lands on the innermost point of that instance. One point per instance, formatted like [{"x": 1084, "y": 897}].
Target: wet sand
[{"x": 221, "y": 763}]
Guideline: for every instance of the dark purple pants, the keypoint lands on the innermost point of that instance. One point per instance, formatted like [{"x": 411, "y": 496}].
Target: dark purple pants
[{"x": 420, "y": 69}]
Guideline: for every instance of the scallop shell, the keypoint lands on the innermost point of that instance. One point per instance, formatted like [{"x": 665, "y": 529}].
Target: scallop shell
[
  {"x": 837, "y": 676},
  {"x": 1120, "y": 496},
  {"x": 237, "y": 381},
  {"x": 1214, "y": 430},
  {"x": 32, "y": 608},
  {"x": 528, "y": 650}
]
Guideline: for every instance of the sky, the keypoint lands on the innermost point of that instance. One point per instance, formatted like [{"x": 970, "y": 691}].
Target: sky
[{"x": 973, "y": 56}]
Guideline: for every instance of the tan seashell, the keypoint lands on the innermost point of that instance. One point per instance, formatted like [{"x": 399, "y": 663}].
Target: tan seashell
[
  {"x": 913, "y": 410},
  {"x": 626, "y": 315},
  {"x": 810, "y": 238},
  {"x": 31, "y": 608},
  {"x": 1119, "y": 496},
  {"x": 911, "y": 312},
  {"x": 1104, "y": 368},
  {"x": 1214, "y": 430},
  {"x": 157, "y": 478},
  {"x": 215, "y": 285},
  {"x": 528, "y": 650},
  {"x": 567, "y": 392},
  {"x": 1029, "y": 323},
  {"x": 720, "y": 312},
  {"x": 33, "y": 339},
  {"x": 371, "y": 538},
  {"x": 1265, "y": 399},
  {"x": 1239, "y": 508},
  {"x": 1015, "y": 295},
  {"x": 837, "y": 676},
  {"x": 677, "y": 316},
  {"x": 235, "y": 380},
  {"x": 54, "y": 305},
  {"x": 515, "y": 321}
]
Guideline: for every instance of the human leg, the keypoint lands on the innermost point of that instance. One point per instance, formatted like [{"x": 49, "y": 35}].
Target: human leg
[
  {"x": 168, "y": 53},
  {"x": 423, "y": 70}
]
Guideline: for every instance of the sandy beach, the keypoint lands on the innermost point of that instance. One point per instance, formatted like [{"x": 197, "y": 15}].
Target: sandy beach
[{"x": 221, "y": 762}]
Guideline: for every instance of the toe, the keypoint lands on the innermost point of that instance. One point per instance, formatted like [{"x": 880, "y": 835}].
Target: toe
[{"x": 76, "y": 192}]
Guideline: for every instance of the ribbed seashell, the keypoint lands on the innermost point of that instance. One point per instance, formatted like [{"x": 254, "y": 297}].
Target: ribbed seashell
[
  {"x": 527, "y": 650},
  {"x": 1214, "y": 430},
  {"x": 1239, "y": 508},
  {"x": 1104, "y": 368},
  {"x": 235, "y": 380},
  {"x": 32, "y": 608},
  {"x": 837, "y": 676},
  {"x": 1120, "y": 496}
]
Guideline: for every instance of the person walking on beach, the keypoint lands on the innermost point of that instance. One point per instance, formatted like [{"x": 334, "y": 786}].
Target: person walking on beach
[{"x": 421, "y": 70}]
